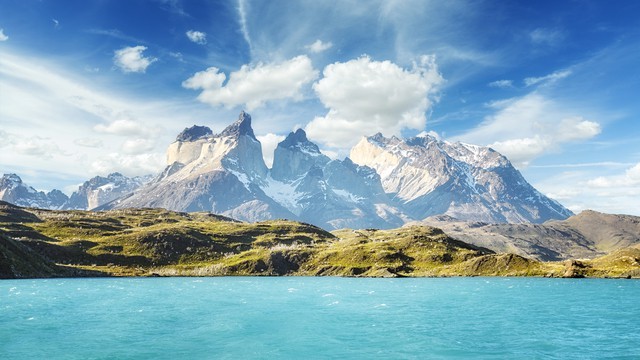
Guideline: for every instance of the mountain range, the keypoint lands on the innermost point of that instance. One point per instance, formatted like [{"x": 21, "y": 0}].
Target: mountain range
[{"x": 384, "y": 183}]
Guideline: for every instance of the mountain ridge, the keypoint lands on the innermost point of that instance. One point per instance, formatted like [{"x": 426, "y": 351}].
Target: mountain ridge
[{"x": 384, "y": 183}]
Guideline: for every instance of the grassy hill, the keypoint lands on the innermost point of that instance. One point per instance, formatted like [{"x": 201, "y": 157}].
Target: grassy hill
[{"x": 143, "y": 242}]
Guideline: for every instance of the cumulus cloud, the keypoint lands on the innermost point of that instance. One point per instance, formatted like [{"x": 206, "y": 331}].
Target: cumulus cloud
[
  {"x": 318, "y": 46},
  {"x": 3, "y": 37},
  {"x": 527, "y": 127},
  {"x": 547, "y": 79},
  {"x": 122, "y": 127},
  {"x": 365, "y": 97},
  {"x": 130, "y": 59},
  {"x": 269, "y": 143},
  {"x": 197, "y": 37},
  {"x": 252, "y": 86},
  {"x": 501, "y": 84}
]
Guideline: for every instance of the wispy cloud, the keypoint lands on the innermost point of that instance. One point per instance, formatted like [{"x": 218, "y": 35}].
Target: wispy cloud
[
  {"x": 547, "y": 79},
  {"x": 527, "y": 127},
  {"x": 122, "y": 128},
  {"x": 254, "y": 85},
  {"x": 44, "y": 97},
  {"x": 366, "y": 96},
  {"x": 3, "y": 37},
  {"x": 546, "y": 36},
  {"x": 130, "y": 59},
  {"x": 173, "y": 6},
  {"x": 116, "y": 34},
  {"x": 197, "y": 37},
  {"x": 584, "y": 165},
  {"x": 319, "y": 46},
  {"x": 88, "y": 142},
  {"x": 242, "y": 19},
  {"x": 501, "y": 84}
]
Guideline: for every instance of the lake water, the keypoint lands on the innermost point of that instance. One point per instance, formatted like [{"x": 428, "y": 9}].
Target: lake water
[{"x": 317, "y": 318}]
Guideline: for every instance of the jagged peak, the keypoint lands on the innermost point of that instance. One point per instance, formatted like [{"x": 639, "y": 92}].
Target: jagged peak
[
  {"x": 242, "y": 126},
  {"x": 194, "y": 133},
  {"x": 298, "y": 139},
  {"x": 378, "y": 137},
  {"x": 12, "y": 177}
]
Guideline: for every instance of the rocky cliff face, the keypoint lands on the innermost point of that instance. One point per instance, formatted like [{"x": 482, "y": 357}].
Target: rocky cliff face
[
  {"x": 428, "y": 177},
  {"x": 325, "y": 192},
  {"x": 219, "y": 173}
]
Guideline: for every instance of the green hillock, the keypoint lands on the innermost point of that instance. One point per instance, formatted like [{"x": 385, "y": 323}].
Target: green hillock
[{"x": 144, "y": 242}]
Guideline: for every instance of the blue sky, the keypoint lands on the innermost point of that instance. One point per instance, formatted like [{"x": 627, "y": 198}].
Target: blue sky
[{"x": 91, "y": 87}]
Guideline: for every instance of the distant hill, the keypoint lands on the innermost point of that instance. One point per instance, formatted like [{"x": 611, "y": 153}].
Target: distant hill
[{"x": 587, "y": 235}]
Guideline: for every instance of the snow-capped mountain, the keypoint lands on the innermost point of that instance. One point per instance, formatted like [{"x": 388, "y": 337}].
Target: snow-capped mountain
[
  {"x": 427, "y": 177},
  {"x": 385, "y": 183},
  {"x": 220, "y": 173},
  {"x": 13, "y": 190},
  {"x": 225, "y": 173},
  {"x": 325, "y": 192},
  {"x": 100, "y": 190}
]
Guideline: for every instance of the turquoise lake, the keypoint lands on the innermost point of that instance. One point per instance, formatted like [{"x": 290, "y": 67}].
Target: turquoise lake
[{"x": 319, "y": 318}]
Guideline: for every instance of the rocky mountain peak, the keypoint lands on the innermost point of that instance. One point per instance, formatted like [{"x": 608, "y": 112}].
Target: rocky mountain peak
[
  {"x": 298, "y": 139},
  {"x": 295, "y": 156},
  {"x": 242, "y": 126},
  {"x": 194, "y": 133},
  {"x": 9, "y": 179}
]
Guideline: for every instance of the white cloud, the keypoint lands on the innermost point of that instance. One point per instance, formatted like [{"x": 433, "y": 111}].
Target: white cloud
[
  {"x": 254, "y": 85},
  {"x": 244, "y": 29},
  {"x": 630, "y": 178},
  {"x": 3, "y": 37},
  {"x": 547, "y": 79},
  {"x": 88, "y": 142},
  {"x": 138, "y": 146},
  {"x": 197, "y": 37},
  {"x": 130, "y": 59},
  {"x": 501, "y": 84},
  {"x": 122, "y": 127},
  {"x": 44, "y": 99},
  {"x": 431, "y": 133},
  {"x": 618, "y": 192},
  {"x": 319, "y": 46},
  {"x": 56, "y": 23},
  {"x": 527, "y": 127},
  {"x": 38, "y": 147},
  {"x": 546, "y": 36},
  {"x": 177, "y": 55},
  {"x": 365, "y": 96},
  {"x": 130, "y": 165},
  {"x": 269, "y": 143}
]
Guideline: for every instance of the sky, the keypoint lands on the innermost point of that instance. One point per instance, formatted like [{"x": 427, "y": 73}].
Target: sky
[{"x": 89, "y": 87}]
